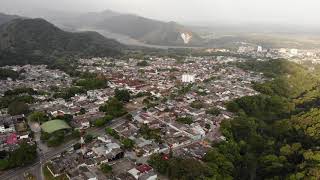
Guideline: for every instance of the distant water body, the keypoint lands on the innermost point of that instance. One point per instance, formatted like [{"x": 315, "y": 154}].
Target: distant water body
[{"x": 129, "y": 41}]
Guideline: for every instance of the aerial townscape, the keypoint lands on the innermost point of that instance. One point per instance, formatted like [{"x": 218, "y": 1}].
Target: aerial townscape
[{"x": 108, "y": 95}]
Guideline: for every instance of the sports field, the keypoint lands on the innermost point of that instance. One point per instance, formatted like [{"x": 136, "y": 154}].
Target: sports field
[{"x": 54, "y": 125}]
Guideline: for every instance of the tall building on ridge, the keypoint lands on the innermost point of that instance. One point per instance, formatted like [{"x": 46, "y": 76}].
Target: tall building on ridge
[
  {"x": 259, "y": 49},
  {"x": 188, "y": 78}
]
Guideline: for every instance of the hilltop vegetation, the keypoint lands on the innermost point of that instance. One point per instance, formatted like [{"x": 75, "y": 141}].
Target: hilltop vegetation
[
  {"x": 8, "y": 73},
  {"x": 36, "y": 41},
  {"x": 289, "y": 79},
  {"x": 271, "y": 138}
]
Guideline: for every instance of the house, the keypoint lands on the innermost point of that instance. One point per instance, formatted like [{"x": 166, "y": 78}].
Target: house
[
  {"x": 12, "y": 139},
  {"x": 83, "y": 121},
  {"x": 5, "y": 128},
  {"x": 58, "y": 113},
  {"x": 7, "y": 123},
  {"x": 64, "y": 163},
  {"x": 110, "y": 151},
  {"x": 143, "y": 172},
  {"x": 83, "y": 173}
]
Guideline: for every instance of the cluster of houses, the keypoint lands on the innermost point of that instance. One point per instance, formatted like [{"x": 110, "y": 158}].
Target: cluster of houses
[
  {"x": 85, "y": 163},
  {"x": 13, "y": 129},
  {"x": 37, "y": 77},
  {"x": 169, "y": 90},
  {"x": 296, "y": 55},
  {"x": 89, "y": 102}
]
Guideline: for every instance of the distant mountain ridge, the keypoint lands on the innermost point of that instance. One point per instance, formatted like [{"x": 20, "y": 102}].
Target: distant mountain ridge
[
  {"x": 4, "y": 18},
  {"x": 140, "y": 28},
  {"x": 33, "y": 41}
]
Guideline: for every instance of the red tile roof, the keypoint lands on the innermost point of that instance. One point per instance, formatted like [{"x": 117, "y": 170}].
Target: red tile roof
[
  {"x": 12, "y": 139},
  {"x": 144, "y": 168}
]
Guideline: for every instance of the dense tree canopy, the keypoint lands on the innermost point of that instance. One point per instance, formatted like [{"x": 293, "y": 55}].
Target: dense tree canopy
[
  {"x": 18, "y": 108},
  {"x": 92, "y": 83},
  {"x": 22, "y": 156},
  {"x": 127, "y": 143},
  {"x": 180, "y": 168},
  {"x": 268, "y": 139},
  {"x": 185, "y": 120},
  {"x": 8, "y": 73},
  {"x": 68, "y": 93},
  {"x": 113, "y": 107},
  {"x": 38, "y": 117},
  {"x": 122, "y": 95}
]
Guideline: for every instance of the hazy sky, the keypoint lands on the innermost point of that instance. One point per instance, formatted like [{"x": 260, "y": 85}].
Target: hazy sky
[{"x": 230, "y": 11}]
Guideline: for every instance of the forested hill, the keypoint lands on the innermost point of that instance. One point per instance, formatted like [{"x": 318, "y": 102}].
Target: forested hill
[
  {"x": 275, "y": 134},
  {"x": 35, "y": 41}
]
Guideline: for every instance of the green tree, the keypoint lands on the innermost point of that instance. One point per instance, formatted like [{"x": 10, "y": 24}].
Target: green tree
[
  {"x": 92, "y": 83},
  {"x": 8, "y": 73},
  {"x": 82, "y": 111},
  {"x": 213, "y": 111},
  {"x": 143, "y": 63},
  {"x": 99, "y": 122},
  {"x": 4, "y": 164},
  {"x": 185, "y": 120},
  {"x": 272, "y": 165},
  {"x": 38, "y": 117},
  {"x": 127, "y": 143},
  {"x": 105, "y": 168},
  {"x": 158, "y": 163},
  {"x": 112, "y": 133},
  {"x": 123, "y": 95},
  {"x": 88, "y": 138},
  {"x": 103, "y": 121},
  {"x": 113, "y": 107},
  {"x": 196, "y": 104},
  {"x": 76, "y": 146},
  {"x": 24, "y": 155},
  {"x": 17, "y": 108},
  {"x": 219, "y": 164},
  {"x": 148, "y": 133}
]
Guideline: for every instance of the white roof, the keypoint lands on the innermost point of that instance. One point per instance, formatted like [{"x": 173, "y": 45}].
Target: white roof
[{"x": 134, "y": 172}]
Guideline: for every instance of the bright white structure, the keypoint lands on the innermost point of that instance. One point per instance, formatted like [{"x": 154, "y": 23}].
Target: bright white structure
[
  {"x": 186, "y": 37},
  {"x": 188, "y": 78},
  {"x": 294, "y": 52},
  {"x": 259, "y": 49}
]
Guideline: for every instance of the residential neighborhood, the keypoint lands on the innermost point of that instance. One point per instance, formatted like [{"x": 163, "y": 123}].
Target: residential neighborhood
[
  {"x": 121, "y": 112},
  {"x": 171, "y": 106}
]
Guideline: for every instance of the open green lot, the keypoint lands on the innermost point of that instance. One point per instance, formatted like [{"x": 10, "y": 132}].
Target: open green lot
[{"x": 54, "y": 125}]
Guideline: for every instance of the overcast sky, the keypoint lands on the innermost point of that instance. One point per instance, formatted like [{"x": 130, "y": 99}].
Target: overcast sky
[{"x": 298, "y": 12}]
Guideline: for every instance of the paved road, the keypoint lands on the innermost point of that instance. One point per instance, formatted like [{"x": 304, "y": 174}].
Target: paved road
[{"x": 35, "y": 168}]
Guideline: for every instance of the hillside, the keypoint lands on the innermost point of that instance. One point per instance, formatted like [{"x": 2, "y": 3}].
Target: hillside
[
  {"x": 4, "y": 18},
  {"x": 271, "y": 138},
  {"x": 37, "y": 41},
  {"x": 143, "y": 29}
]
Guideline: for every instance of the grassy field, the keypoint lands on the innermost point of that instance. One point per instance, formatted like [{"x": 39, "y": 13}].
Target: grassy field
[{"x": 54, "y": 125}]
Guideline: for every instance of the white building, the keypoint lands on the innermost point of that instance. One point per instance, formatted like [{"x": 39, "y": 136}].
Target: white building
[
  {"x": 186, "y": 37},
  {"x": 294, "y": 52},
  {"x": 259, "y": 49},
  {"x": 188, "y": 78},
  {"x": 9, "y": 129}
]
